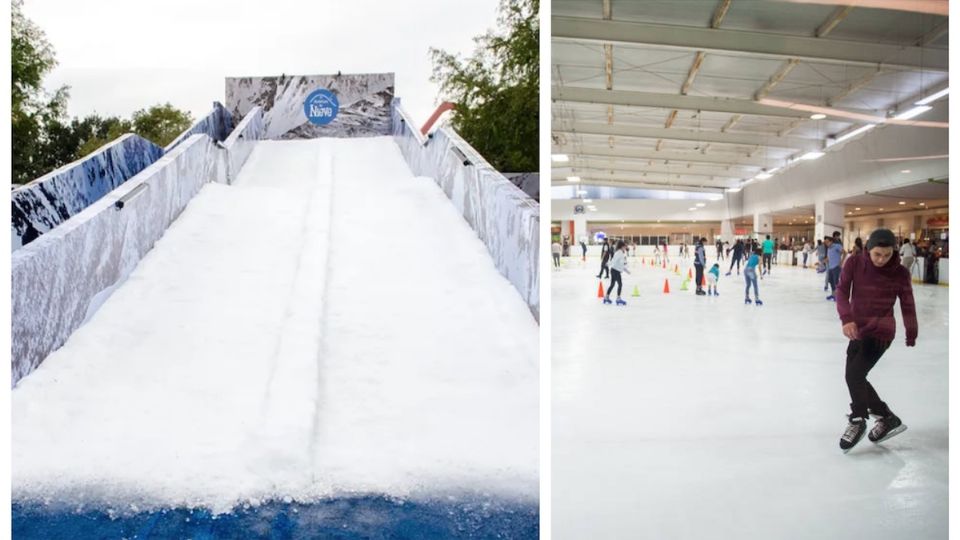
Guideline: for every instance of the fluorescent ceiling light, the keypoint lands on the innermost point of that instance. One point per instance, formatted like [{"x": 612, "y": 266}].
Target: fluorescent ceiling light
[
  {"x": 560, "y": 158},
  {"x": 763, "y": 176},
  {"x": 933, "y": 97},
  {"x": 734, "y": 190},
  {"x": 902, "y": 202},
  {"x": 812, "y": 155},
  {"x": 857, "y": 209},
  {"x": 818, "y": 116},
  {"x": 587, "y": 201},
  {"x": 905, "y": 171},
  {"x": 573, "y": 179},
  {"x": 855, "y": 132},
  {"x": 910, "y": 113},
  {"x": 701, "y": 205},
  {"x": 923, "y": 204},
  {"x": 692, "y": 208}
]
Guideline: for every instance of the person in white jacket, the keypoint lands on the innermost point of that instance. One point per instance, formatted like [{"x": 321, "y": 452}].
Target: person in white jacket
[
  {"x": 908, "y": 254},
  {"x": 617, "y": 266}
]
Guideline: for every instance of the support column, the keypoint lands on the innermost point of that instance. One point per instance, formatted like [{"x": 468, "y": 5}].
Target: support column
[
  {"x": 829, "y": 218},
  {"x": 580, "y": 229},
  {"x": 726, "y": 230},
  {"x": 762, "y": 223}
]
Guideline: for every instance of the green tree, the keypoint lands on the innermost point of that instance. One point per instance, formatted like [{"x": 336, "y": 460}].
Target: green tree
[
  {"x": 32, "y": 109},
  {"x": 161, "y": 123},
  {"x": 496, "y": 91}
]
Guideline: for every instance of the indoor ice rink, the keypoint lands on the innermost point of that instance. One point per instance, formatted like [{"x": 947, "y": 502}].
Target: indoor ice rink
[{"x": 680, "y": 415}]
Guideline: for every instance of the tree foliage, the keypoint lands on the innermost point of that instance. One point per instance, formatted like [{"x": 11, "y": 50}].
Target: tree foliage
[
  {"x": 496, "y": 91},
  {"x": 161, "y": 123},
  {"x": 43, "y": 138},
  {"x": 32, "y": 109}
]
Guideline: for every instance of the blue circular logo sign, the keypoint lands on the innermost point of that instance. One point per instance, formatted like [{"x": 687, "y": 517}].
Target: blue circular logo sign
[{"x": 321, "y": 107}]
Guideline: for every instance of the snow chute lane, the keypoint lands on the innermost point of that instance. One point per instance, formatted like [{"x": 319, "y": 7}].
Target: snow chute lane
[{"x": 323, "y": 345}]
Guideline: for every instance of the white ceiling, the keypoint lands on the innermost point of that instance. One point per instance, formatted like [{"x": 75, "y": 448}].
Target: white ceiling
[{"x": 666, "y": 93}]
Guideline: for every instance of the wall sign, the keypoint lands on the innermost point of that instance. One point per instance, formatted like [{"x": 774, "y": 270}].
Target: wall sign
[{"x": 321, "y": 107}]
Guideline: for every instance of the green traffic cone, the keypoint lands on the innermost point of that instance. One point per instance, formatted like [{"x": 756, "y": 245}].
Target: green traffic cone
[
  {"x": 683, "y": 286},
  {"x": 636, "y": 290}
]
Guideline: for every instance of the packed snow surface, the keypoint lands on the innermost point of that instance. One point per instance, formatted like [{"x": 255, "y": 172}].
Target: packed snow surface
[{"x": 327, "y": 325}]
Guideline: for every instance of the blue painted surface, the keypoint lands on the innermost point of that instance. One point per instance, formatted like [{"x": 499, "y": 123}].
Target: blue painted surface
[{"x": 372, "y": 517}]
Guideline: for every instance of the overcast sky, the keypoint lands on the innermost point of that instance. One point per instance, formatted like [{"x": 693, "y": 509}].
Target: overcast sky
[{"x": 122, "y": 55}]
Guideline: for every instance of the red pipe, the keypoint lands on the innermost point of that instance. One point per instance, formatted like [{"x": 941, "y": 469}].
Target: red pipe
[{"x": 444, "y": 107}]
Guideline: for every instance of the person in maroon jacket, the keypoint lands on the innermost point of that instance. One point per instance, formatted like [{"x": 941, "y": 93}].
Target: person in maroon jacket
[{"x": 870, "y": 284}]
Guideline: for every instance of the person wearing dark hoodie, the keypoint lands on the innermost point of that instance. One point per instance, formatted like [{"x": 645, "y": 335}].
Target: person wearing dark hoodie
[
  {"x": 870, "y": 284},
  {"x": 606, "y": 254},
  {"x": 737, "y": 255},
  {"x": 699, "y": 261}
]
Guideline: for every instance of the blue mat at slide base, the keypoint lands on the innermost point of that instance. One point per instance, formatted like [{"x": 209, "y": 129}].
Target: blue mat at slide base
[{"x": 360, "y": 517}]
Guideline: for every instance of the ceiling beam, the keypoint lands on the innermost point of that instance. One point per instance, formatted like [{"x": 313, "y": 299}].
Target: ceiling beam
[
  {"x": 692, "y": 74},
  {"x": 687, "y": 103},
  {"x": 933, "y": 34},
  {"x": 720, "y": 13},
  {"x": 660, "y": 170},
  {"x": 684, "y": 186},
  {"x": 774, "y": 80},
  {"x": 835, "y": 18},
  {"x": 684, "y": 157},
  {"x": 585, "y": 128},
  {"x": 749, "y": 43},
  {"x": 856, "y": 85},
  {"x": 730, "y": 123}
]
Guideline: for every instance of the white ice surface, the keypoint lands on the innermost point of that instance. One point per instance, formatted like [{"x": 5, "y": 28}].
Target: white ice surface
[
  {"x": 680, "y": 417},
  {"x": 326, "y": 325}
]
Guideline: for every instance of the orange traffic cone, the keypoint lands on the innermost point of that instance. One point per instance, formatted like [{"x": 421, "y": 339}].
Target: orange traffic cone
[
  {"x": 676, "y": 268},
  {"x": 666, "y": 285},
  {"x": 600, "y": 290},
  {"x": 690, "y": 273}
]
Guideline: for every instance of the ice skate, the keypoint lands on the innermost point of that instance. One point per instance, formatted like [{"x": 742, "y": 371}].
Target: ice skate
[
  {"x": 606, "y": 300},
  {"x": 747, "y": 301},
  {"x": 885, "y": 428},
  {"x": 758, "y": 302},
  {"x": 832, "y": 297},
  {"x": 620, "y": 302},
  {"x": 854, "y": 432}
]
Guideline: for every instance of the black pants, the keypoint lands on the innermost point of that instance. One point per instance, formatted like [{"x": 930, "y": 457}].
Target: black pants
[
  {"x": 862, "y": 355},
  {"x": 603, "y": 266},
  {"x": 735, "y": 260},
  {"x": 615, "y": 278},
  {"x": 766, "y": 261},
  {"x": 556, "y": 260},
  {"x": 698, "y": 268}
]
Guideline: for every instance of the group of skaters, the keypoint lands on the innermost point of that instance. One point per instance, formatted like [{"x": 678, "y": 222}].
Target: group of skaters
[{"x": 865, "y": 283}]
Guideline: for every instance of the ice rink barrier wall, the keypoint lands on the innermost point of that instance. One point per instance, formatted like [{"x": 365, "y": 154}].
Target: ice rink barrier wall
[
  {"x": 48, "y": 201},
  {"x": 505, "y": 218}
]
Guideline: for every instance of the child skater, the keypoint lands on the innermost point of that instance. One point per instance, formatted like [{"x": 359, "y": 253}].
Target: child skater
[
  {"x": 713, "y": 276},
  {"x": 750, "y": 276},
  {"x": 617, "y": 265}
]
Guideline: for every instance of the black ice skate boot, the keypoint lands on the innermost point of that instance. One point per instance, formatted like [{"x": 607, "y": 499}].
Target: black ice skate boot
[
  {"x": 885, "y": 428},
  {"x": 855, "y": 430}
]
